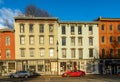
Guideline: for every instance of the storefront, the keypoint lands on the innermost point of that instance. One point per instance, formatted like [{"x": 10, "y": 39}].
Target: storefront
[
  {"x": 7, "y": 67},
  {"x": 44, "y": 67},
  {"x": 89, "y": 66},
  {"x": 110, "y": 66}
]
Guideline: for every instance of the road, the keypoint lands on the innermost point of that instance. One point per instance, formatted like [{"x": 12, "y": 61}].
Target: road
[{"x": 88, "y": 78}]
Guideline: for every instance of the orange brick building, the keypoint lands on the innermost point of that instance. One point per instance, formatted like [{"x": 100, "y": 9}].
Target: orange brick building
[
  {"x": 7, "y": 50},
  {"x": 109, "y": 44}
]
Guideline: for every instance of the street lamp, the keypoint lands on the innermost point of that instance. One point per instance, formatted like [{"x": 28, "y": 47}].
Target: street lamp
[{"x": 57, "y": 56}]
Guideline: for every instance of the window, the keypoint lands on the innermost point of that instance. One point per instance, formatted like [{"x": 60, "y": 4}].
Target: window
[
  {"x": 7, "y": 53},
  {"x": 79, "y": 29},
  {"x": 80, "y": 52},
  {"x": 119, "y": 27},
  {"x": 72, "y": 41},
  {"x": 102, "y": 27},
  {"x": 111, "y": 53},
  {"x": 63, "y": 41},
  {"x": 80, "y": 41},
  {"x": 118, "y": 39},
  {"x": 42, "y": 52},
  {"x": 90, "y": 41},
  {"x": 41, "y": 28},
  {"x": 51, "y": 28},
  {"x": 22, "y": 52},
  {"x": 41, "y": 66},
  {"x": 22, "y": 40},
  {"x": 72, "y": 53},
  {"x": 31, "y": 29},
  {"x": 72, "y": 30},
  {"x": 103, "y": 39},
  {"x": 51, "y": 40},
  {"x": 63, "y": 53},
  {"x": 51, "y": 52},
  {"x": 110, "y": 27},
  {"x": 31, "y": 40},
  {"x": 90, "y": 52},
  {"x": 11, "y": 66},
  {"x": 103, "y": 53},
  {"x": 22, "y": 28},
  {"x": 31, "y": 52},
  {"x": 111, "y": 39},
  {"x": 118, "y": 53},
  {"x": 90, "y": 30},
  {"x": 7, "y": 41},
  {"x": 63, "y": 30},
  {"x": 41, "y": 39}
]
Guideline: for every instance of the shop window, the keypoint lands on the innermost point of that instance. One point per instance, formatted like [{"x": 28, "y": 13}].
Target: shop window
[{"x": 11, "y": 66}]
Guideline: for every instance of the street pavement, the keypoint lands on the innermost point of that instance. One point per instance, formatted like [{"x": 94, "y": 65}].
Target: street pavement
[{"x": 87, "y": 78}]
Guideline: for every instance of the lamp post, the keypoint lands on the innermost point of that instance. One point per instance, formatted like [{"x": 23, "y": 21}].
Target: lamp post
[{"x": 57, "y": 59}]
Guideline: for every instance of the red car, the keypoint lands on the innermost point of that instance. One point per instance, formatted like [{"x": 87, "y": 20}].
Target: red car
[
  {"x": 118, "y": 74},
  {"x": 74, "y": 73}
]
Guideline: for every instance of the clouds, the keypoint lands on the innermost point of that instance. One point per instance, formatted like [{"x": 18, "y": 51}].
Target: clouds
[
  {"x": 1, "y": 1},
  {"x": 7, "y": 16}
]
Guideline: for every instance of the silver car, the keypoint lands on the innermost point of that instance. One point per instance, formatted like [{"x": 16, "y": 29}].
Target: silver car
[{"x": 17, "y": 74}]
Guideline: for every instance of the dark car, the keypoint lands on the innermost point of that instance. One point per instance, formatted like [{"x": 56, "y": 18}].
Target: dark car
[
  {"x": 74, "y": 73},
  {"x": 35, "y": 74},
  {"x": 17, "y": 74}
]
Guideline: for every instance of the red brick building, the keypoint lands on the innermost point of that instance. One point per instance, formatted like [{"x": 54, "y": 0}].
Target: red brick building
[
  {"x": 109, "y": 44},
  {"x": 7, "y": 51}
]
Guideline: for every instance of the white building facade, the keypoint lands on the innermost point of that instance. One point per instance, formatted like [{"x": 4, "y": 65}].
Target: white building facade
[{"x": 78, "y": 47}]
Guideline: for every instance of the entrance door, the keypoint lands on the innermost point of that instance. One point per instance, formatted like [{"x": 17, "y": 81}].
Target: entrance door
[
  {"x": 47, "y": 68},
  {"x": 54, "y": 68}
]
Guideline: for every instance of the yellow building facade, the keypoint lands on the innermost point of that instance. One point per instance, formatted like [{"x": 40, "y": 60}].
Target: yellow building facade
[{"x": 36, "y": 44}]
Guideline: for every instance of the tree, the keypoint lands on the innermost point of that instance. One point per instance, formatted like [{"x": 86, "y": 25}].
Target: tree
[
  {"x": 32, "y": 10},
  {"x": 8, "y": 24}
]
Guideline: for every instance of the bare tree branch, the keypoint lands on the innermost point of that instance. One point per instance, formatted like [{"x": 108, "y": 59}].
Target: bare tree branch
[{"x": 32, "y": 10}]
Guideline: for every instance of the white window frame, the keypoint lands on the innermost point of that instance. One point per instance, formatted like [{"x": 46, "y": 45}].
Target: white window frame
[
  {"x": 31, "y": 52},
  {"x": 80, "y": 41},
  {"x": 91, "y": 41},
  {"x": 51, "y": 40},
  {"x": 31, "y": 39},
  {"x": 7, "y": 53},
  {"x": 63, "y": 53},
  {"x": 51, "y": 28},
  {"x": 72, "y": 41},
  {"x": 72, "y": 53},
  {"x": 22, "y": 40},
  {"x": 7, "y": 41},
  {"x": 22, "y": 28},
  {"x": 41, "y": 39},
  {"x": 80, "y": 52},
  {"x": 22, "y": 50},
  {"x": 42, "y": 52},
  {"x": 51, "y": 52}
]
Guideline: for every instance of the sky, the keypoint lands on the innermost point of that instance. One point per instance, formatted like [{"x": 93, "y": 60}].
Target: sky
[{"x": 65, "y": 10}]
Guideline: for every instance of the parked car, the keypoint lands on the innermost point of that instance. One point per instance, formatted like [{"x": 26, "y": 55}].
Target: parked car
[
  {"x": 118, "y": 74},
  {"x": 35, "y": 74},
  {"x": 74, "y": 73},
  {"x": 17, "y": 74}
]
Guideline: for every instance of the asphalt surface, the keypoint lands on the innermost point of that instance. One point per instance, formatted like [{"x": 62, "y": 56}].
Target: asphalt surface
[{"x": 87, "y": 78}]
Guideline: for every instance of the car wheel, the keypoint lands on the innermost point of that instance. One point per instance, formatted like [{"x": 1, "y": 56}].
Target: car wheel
[
  {"x": 81, "y": 75},
  {"x": 26, "y": 76},
  {"x": 11, "y": 76},
  {"x": 68, "y": 75}
]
